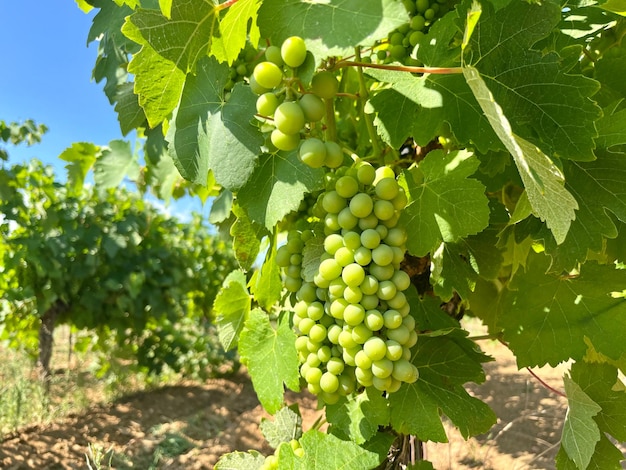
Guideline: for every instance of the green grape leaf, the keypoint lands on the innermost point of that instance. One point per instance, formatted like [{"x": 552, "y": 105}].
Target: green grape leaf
[
  {"x": 358, "y": 418},
  {"x": 369, "y": 22},
  {"x": 234, "y": 30},
  {"x": 287, "y": 425},
  {"x": 81, "y": 157},
  {"x": 271, "y": 357},
  {"x": 611, "y": 128},
  {"x": 444, "y": 203},
  {"x": 277, "y": 187},
  {"x": 543, "y": 181},
  {"x": 221, "y": 207},
  {"x": 311, "y": 258},
  {"x": 605, "y": 457},
  {"x": 615, "y": 6},
  {"x": 445, "y": 363},
  {"x": 246, "y": 238},
  {"x": 580, "y": 432},
  {"x": 324, "y": 451},
  {"x": 266, "y": 283},
  {"x": 163, "y": 176},
  {"x": 599, "y": 188},
  {"x": 129, "y": 114},
  {"x": 251, "y": 460},
  {"x": 545, "y": 316},
  {"x": 115, "y": 163},
  {"x": 231, "y": 308},
  {"x": 208, "y": 133}
]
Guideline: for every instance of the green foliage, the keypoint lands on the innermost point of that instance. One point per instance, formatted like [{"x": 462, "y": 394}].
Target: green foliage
[
  {"x": 503, "y": 123},
  {"x": 120, "y": 267}
]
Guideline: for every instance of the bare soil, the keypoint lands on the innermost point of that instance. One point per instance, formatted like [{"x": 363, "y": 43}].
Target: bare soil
[{"x": 189, "y": 426}]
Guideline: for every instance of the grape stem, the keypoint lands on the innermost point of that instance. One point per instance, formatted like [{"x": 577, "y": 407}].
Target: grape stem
[
  {"x": 549, "y": 387},
  {"x": 223, "y": 6},
  {"x": 400, "y": 68}
]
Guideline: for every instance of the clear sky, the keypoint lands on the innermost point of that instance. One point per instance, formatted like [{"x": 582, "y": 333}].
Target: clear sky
[{"x": 45, "y": 75}]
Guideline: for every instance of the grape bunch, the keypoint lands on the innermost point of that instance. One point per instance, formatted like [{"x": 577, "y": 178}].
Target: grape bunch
[
  {"x": 241, "y": 68},
  {"x": 402, "y": 40},
  {"x": 353, "y": 321},
  {"x": 282, "y": 104},
  {"x": 271, "y": 461}
]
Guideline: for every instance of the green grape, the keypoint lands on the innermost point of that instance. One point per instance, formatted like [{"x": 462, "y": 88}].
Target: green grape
[
  {"x": 256, "y": 88},
  {"x": 370, "y": 238},
  {"x": 361, "y": 333},
  {"x": 402, "y": 280},
  {"x": 397, "y": 301},
  {"x": 346, "y": 341},
  {"x": 329, "y": 382},
  {"x": 404, "y": 371},
  {"x": 268, "y": 75},
  {"x": 293, "y": 51},
  {"x": 382, "y": 368},
  {"x": 333, "y": 333},
  {"x": 313, "y": 375},
  {"x": 334, "y": 155},
  {"x": 317, "y": 333},
  {"x": 283, "y": 256},
  {"x": 312, "y": 360},
  {"x": 352, "y": 240},
  {"x": 370, "y": 221},
  {"x": 364, "y": 376},
  {"x": 313, "y": 107},
  {"x": 429, "y": 14},
  {"x": 409, "y": 322},
  {"x": 344, "y": 256},
  {"x": 289, "y": 118},
  {"x": 313, "y": 152},
  {"x": 396, "y": 236},
  {"x": 396, "y": 38},
  {"x": 284, "y": 141},
  {"x": 386, "y": 290},
  {"x": 266, "y": 104},
  {"x": 337, "y": 308},
  {"x": 333, "y": 202},
  {"x": 335, "y": 366},
  {"x": 375, "y": 348},
  {"x": 415, "y": 38},
  {"x": 353, "y": 274},
  {"x": 346, "y": 384},
  {"x": 365, "y": 173},
  {"x": 370, "y": 302},
  {"x": 382, "y": 255},
  {"x": 305, "y": 325},
  {"x": 394, "y": 350},
  {"x": 346, "y": 219},
  {"x": 325, "y": 85},
  {"x": 392, "y": 319},
  {"x": 333, "y": 242},
  {"x": 400, "y": 334},
  {"x": 369, "y": 286},
  {"x": 417, "y": 23},
  {"x": 329, "y": 269},
  {"x": 383, "y": 172},
  {"x": 387, "y": 188},
  {"x": 347, "y": 186},
  {"x": 384, "y": 210},
  {"x": 422, "y": 5},
  {"x": 382, "y": 384},
  {"x": 363, "y": 256},
  {"x": 382, "y": 273},
  {"x": 354, "y": 314},
  {"x": 324, "y": 353},
  {"x": 361, "y": 205},
  {"x": 398, "y": 52},
  {"x": 272, "y": 54}
]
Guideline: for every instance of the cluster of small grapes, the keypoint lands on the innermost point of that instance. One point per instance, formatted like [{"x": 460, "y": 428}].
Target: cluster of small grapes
[
  {"x": 271, "y": 461},
  {"x": 353, "y": 319},
  {"x": 402, "y": 41},
  {"x": 281, "y": 101},
  {"x": 241, "y": 68}
]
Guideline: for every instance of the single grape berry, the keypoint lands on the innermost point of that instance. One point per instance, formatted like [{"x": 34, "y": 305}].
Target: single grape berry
[
  {"x": 284, "y": 141},
  {"x": 272, "y": 54},
  {"x": 313, "y": 153},
  {"x": 293, "y": 51},
  {"x": 268, "y": 75},
  {"x": 325, "y": 85},
  {"x": 313, "y": 107},
  {"x": 289, "y": 118}
]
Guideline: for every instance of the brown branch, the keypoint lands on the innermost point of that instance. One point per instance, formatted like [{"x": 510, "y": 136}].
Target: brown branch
[
  {"x": 549, "y": 387},
  {"x": 228, "y": 3}
]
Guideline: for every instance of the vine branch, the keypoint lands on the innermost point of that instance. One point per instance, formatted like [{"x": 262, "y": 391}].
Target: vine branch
[
  {"x": 228, "y": 3},
  {"x": 546, "y": 385}
]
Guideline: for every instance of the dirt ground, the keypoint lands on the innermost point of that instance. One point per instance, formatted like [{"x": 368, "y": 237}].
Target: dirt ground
[{"x": 190, "y": 426}]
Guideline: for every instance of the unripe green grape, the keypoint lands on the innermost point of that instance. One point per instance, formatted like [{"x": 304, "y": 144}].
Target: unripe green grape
[
  {"x": 329, "y": 269},
  {"x": 325, "y": 85},
  {"x": 337, "y": 308},
  {"x": 381, "y": 55},
  {"x": 382, "y": 384},
  {"x": 328, "y": 398},
  {"x": 329, "y": 383},
  {"x": 392, "y": 221},
  {"x": 293, "y": 271},
  {"x": 324, "y": 353},
  {"x": 400, "y": 201},
  {"x": 398, "y": 52},
  {"x": 293, "y": 51},
  {"x": 313, "y": 152},
  {"x": 317, "y": 333},
  {"x": 295, "y": 258},
  {"x": 284, "y": 141},
  {"x": 346, "y": 219},
  {"x": 361, "y": 205},
  {"x": 394, "y": 350},
  {"x": 365, "y": 173},
  {"x": 334, "y": 155},
  {"x": 352, "y": 240},
  {"x": 363, "y": 256},
  {"x": 404, "y": 371},
  {"x": 313, "y": 375},
  {"x": 415, "y": 38},
  {"x": 374, "y": 320},
  {"x": 413, "y": 337},
  {"x": 409, "y": 5},
  {"x": 256, "y": 88},
  {"x": 382, "y": 230},
  {"x": 396, "y": 236},
  {"x": 394, "y": 386},
  {"x": 266, "y": 104},
  {"x": 362, "y": 360},
  {"x": 370, "y": 302},
  {"x": 333, "y": 333},
  {"x": 327, "y": 320},
  {"x": 417, "y": 23},
  {"x": 343, "y": 255},
  {"x": 332, "y": 243},
  {"x": 301, "y": 342},
  {"x": 402, "y": 280},
  {"x": 312, "y": 360},
  {"x": 364, "y": 376},
  {"x": 382, "y": 273},
  {"x": 370, "y": 221},
  {"x": 383, "y": 172},
  {"x": 396, "y": 38},
  {"x": 347, "y": 186},
  {"x": 384, "y": 210},
  {"x": 282, "y": 257},
  {"x": 404, "y": 310},
  {"x": 382, "y": 368},
  {"x": 400, "y": 334},
  {"x": 392, "y": 319},
  {"x": 382, "y": 255},
  {"x": 268, "y": 75},
  {"x": 361, "y": 333},
  {"x": 289, "y": 118},
  {"x": 346, "y": 384},
  {"x": 409, "y": 322},
  {"x": 333, "y": 203},
  {"x": 320, "y": 281},
  {"x": 315, "y": 311},
  {"x": 352, "y": 295},
  {"x": 370, "y": 238},
  {"x": 272, "y": 54},
  {"x": 386, "y": 188},
  {"x": 398, "y": 301},
  {"x": 292, "y": 284},
  {"x": 406, "y": 353},
  {"x": 331, "y": 224},
  {"x": 353, "y": 274},
  {"x": 305, "y": 325},
  {"x": 429, "y": 14},
  {"x": 335, "y": 366},
  {"x": 313, "y": 107},
  {"x": 336, "y": 288},
  {"x": 313, "y": 347},
  {"x": 353, "y": 314},
  {"x": 375, "y": 348},
  {"x": 346, "y": 341},
  {"x": 369, "y": 286},
  {"x": 386, "y": 290},
  {"x": 422, "y": 5}
]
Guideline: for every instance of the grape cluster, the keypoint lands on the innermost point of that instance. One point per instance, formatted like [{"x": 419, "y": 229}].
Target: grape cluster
[
  {"x": 402, "y": 40},
  {"x": 241, "y": 68},
  {"x": 353, "y": 320},
  {"x": 281, "y": 102},
  {"x": 271, "y": 461}
]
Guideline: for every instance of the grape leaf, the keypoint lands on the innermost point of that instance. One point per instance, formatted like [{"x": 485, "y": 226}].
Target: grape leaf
[
  {"x": 358, "y": 418},
  {"x": 599, "y": 188},
  {"x": 324, "y": 451},
  {"x": 209, "y": 133},
  {"x": 605, "y": 457},
  {"x": 287, "y": 425},
  {"x": 270, "y": 356},
  {"x": 246, "y": 238},
  {"x": 444, "y": 203},
  {"x": 231, "y": 308},
  {"x": 445, "y": 363},
  {"x": 580, "y": 432},
  {"x": 171, "y": 47},
  {"x": 611, "y": 129},
  {"x": 251, "y": 460},
  {"x": 311, "y": 257},
  {"x": 535, "y": 94},
  {"x": 129, "y": 114},
  {"x": 80, "y": 157},
  {"x": 545, "y": 316},
  {"x": 115, "y": 163},
  {"x": 277, "y": 187},
  {"x": 369, "y": 22},
  {"x": 266, "y": 283},
  {"x": 234, "y": 30},
  {"x": 542, "y": 179}
]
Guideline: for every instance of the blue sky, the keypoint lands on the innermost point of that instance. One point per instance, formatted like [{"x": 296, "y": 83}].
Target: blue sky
[{"x": 45, "y": 75}]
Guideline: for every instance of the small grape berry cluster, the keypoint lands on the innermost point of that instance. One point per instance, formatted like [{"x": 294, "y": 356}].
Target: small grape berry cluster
[
  {"x": 282, "y": 104},
  {"x": 271, "y": 461},
  {"x": 353, "y": 321}
]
